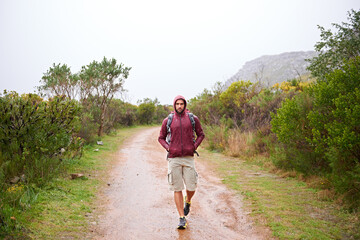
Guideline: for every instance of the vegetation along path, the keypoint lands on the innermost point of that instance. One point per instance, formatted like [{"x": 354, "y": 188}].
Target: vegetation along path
[{"x": 138, "y": 205}]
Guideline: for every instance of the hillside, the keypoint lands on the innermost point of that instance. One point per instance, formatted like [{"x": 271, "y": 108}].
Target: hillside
[{"x": 270, "y": 69}]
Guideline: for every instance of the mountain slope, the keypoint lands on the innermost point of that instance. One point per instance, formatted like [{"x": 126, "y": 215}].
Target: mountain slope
[{"x": 271, "y": 69}]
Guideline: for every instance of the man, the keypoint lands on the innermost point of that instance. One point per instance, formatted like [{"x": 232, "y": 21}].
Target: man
[{"x": 181, "y": 148}]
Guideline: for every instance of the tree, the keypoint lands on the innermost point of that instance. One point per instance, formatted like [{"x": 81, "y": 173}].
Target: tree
[
  {"x": 103, "y": 79},
  {"x": 59, "y": 81},
  {"x": 146, "y": 110},
  {"x": 335, "y": 48}
]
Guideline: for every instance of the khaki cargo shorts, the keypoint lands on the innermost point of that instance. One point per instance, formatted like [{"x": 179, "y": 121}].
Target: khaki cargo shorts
[{"x": 182, "y": 170}]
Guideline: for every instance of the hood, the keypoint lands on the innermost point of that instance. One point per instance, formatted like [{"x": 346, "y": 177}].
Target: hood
[{"x": 177, "y": 98}]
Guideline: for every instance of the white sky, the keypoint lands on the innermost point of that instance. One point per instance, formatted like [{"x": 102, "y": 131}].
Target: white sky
[{"x": 173, "y": 47}]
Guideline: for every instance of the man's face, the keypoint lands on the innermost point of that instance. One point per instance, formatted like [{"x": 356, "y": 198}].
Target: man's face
[{"x": 179, "y": 105}]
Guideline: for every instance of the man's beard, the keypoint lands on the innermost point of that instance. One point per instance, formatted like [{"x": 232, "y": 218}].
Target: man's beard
[{"x": 180, "y": 112}]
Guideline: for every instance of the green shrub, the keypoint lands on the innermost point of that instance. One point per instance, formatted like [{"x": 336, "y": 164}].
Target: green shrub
[
  {"x": 335, "y": 121},
  {"x": 208, "y": 107},
  {"x": 146, "y": 111},
  {"x": 89, "y": 127},
  {"x": 119, "y": 114},
  {"x": 292, "y": 129},
  {"x": 35, "y": 135},
  {"x": 161, "y": 112}
]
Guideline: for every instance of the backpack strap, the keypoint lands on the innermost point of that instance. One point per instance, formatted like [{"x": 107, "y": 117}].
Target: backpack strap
[
  {"x": 192, "y": 120},
  {"x": 169, "y": 120}
]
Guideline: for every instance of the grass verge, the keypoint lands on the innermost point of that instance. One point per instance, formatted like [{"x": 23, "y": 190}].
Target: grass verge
[
  {"x": 64, "y": 208},
  {"x": 287, "y": 206}
]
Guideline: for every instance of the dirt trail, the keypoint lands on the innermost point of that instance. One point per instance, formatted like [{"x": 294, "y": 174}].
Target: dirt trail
[{"x": 138, "y": 204}]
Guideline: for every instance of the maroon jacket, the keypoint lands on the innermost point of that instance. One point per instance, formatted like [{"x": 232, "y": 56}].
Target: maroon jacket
[{"x": 181, "y": 143}]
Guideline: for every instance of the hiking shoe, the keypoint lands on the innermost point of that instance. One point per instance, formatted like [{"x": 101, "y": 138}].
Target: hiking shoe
[
  {"x": 186, "y": 206},
  {"x": 182, "y": 223}
]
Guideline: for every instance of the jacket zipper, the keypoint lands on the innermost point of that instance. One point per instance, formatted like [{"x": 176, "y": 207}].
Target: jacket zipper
[{"x": 182, "y": 148}]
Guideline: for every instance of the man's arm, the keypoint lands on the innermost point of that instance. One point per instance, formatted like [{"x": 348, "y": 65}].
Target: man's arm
[
  {"x": 163, "y": 134},
  {"x": 199, "y": 132}
]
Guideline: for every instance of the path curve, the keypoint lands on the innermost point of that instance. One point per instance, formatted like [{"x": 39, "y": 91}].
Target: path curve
[{"x": 138, "y": 204}]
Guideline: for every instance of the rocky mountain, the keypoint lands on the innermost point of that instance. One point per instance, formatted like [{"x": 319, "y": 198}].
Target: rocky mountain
[{"x": 271, "y": 69}]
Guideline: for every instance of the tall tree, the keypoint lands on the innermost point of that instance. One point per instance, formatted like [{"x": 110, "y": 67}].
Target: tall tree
[
  {"x": 335, "y": 48},
  {"x": 103, "y": 79},
  {"x": 59, "y": 81}
]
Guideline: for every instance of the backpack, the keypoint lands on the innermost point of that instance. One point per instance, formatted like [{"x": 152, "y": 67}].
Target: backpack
[{"x": 169, "y": 121}]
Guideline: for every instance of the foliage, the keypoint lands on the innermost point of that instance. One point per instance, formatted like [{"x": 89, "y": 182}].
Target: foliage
[
  {"x": 293, "y": 85},
  {"x": 33, "y": 132},
  {"x": 207, "y": 105},
  {"x": 89, "y": 118},
  {"x": 335, "y": 48},
  {"x": 216, "y": 137},
  {"x": 235, "y": 97},
  {"x": 257, "y": 111},
  {"x": 161, "y": 112},
  {"x": 119, "y": 114},
  {"x": 291, "y": 126},
  {"x": 35, "y": 137},
  {"x": 236, "y": 94},
  {"x": 59, "y": 81},
  {"x": 319, "y": 130},
  {"x": 290, "y": 122},
  {"x": 336, "y": 117},
  {"x": 146, "y": 110},
  {"x": 238, "y": 143},
  {"x": 95, "y": 87},
  {"x": 335, "y": 122},
  {"x": 106, "y": 78}
]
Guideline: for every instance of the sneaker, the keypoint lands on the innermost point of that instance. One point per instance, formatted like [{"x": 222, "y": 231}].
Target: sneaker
[
  {"x": 182, "y": 223},
  {"x": 186, "y": 206}
]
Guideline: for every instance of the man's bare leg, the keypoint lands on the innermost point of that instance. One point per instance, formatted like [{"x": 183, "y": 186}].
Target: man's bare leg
[
  {"x": 189, "y": 195},
  {"x": 179, "y": 202}
]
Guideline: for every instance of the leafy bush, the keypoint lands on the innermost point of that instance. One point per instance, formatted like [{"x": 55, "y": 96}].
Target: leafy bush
[
  {"x": 161, "y": 112},
  {"x": 235, "y": 98},
  {"x": 146, "y": 111},
  {"x": 292, "y": 128},
  {"x": 89, "y": 127},
  {"x": 35, "y": 135},
  {"x": 208, "y": 107},
  {"x": 119, "y": 114},
  {"x": 335, "y": 121},
  {"x": 319, "y": 130}
]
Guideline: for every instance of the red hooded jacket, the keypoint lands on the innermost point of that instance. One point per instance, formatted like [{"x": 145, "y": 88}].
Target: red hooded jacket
[{"x": 181, "y": 142}]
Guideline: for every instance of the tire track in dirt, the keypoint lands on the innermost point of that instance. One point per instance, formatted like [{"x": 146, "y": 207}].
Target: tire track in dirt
[{"x": 138, "y": 204}]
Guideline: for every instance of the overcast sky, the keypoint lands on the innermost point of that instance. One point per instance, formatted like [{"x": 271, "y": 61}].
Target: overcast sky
[{"x": 173, "y": 47}]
